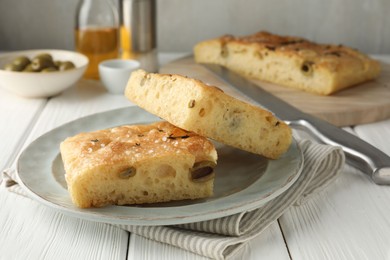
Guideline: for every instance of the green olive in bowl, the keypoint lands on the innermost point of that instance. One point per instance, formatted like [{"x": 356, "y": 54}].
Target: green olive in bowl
[
  {"x": 66, "y": 65},
  {"x": 21, "y": 61},
  {"x": 42, "y": 62}
]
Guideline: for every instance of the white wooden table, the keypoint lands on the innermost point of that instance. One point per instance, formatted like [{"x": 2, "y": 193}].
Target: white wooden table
[{"x": 350, "y": 220}]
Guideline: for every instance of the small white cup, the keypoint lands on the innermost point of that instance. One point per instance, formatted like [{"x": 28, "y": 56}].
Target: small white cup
[{"x": 115, "y": 73}]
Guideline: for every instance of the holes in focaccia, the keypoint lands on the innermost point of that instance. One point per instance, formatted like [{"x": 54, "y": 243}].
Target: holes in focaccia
[
  {"x": 127, "y": 173},
  {"x": 145, "y": 193},
  {"x": 202, "y": 112},
  {"x": 165, "y": 171},
  {"x": 307, "y": 68},
  {"x": 202, "y": 171}
]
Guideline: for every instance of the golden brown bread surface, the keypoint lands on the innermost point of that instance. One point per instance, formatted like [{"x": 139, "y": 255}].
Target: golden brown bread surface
[
  {"x": 138, "y": 164},
  {"x": 290, "y": 61},
  {"x": 208, "y": 111}
]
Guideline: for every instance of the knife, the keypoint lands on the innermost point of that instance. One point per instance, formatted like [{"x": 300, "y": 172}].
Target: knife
[{"x": 359, "y": 153}]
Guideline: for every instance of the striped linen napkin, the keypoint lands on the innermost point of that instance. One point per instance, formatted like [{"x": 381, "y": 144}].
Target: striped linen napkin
[{"x": 222, "y": 238}]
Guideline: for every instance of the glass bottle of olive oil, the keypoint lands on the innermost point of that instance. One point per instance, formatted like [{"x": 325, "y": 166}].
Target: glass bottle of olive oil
[{"x": 96, "y": 33}]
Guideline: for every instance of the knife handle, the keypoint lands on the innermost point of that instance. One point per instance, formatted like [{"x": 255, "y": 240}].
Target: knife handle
[{"x": 359, "y": 153}]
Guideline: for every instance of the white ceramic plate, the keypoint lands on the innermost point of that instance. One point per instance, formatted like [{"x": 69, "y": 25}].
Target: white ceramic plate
[{"x": 243, "y": 181}]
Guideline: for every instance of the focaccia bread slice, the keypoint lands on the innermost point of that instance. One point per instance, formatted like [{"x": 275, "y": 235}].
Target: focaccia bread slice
[
  {"x": 137, "y": 164},
  {"x": 290, "y": 61},
  {"x": 208, "y": 111}
]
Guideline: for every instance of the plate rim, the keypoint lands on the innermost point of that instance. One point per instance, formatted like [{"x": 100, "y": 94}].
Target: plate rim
[{"x": 94, "y": 215}]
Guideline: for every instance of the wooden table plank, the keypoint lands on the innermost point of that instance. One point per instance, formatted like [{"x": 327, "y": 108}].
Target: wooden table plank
[
  {"x": 347, "y": 221},
  {"x": 32, "y": 231},
  {"x": 17, "y": 115},
  {"x": 377, "y": 134}
]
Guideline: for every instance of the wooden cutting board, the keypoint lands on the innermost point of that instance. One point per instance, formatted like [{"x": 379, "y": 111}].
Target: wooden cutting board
[{"x": 365, "y": 103}]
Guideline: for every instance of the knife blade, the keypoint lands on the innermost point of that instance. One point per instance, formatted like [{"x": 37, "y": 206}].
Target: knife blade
[{"x": 359, "y": 153}]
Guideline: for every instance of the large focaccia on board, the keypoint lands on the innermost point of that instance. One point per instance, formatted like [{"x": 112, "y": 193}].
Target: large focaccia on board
[{"x": 290, "y": 61}]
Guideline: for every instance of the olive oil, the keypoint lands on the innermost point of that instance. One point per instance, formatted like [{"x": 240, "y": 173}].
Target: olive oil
[
  {"x": 98, "y": 44},
  {"x": 96, "y": 33},
  {"x": 125, "y": 40}
]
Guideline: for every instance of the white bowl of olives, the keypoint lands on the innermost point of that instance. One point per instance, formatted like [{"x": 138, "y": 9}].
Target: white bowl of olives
[{"x": 40, "y": 73}]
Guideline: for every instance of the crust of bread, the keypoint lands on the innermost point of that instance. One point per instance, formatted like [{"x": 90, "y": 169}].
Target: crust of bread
[
  {"x": 290, "y": 61},
  {"x": 206, "y": 110},
  {"x": 136, "y": 164}
]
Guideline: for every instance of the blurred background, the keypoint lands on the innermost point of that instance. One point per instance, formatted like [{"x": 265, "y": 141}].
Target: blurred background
[{"x": 362, "y": 24}]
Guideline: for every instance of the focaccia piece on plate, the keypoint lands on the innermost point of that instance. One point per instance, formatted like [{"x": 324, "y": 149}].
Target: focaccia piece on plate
[
  {"x": 290, "y": 61},
  {"x": 136, "y": 164},
  {"x": 208, "y": 111}
]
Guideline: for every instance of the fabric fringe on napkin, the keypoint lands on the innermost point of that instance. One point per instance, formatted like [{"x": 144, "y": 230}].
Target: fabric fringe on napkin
[{"x": 222, "y": 238}]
